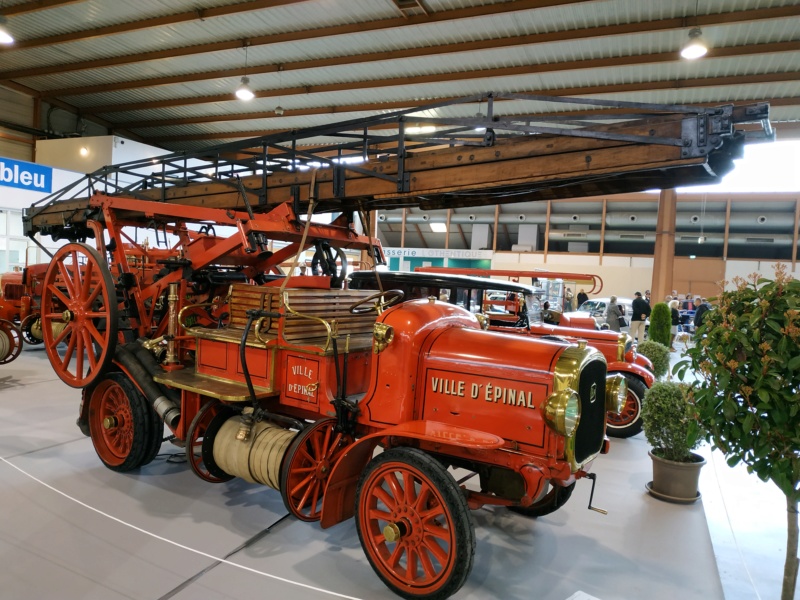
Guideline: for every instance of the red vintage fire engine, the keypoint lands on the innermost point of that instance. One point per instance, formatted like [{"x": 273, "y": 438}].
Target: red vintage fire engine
[
  {"x": 286, "y": 381},
  {"x": 521, "y": 314},
  {"x": 20, "y": 293}
]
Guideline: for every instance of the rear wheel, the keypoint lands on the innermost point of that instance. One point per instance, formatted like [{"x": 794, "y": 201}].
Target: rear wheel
[
  {"x": 414, "y": 525},
  {"x": 308, "y": 463},
  {"x": 629, "y": 421},
  {"x": 200, "y": 441},
  {"x": 125, "y": 430},
  {"x": 10, "y": 341},
  {"x": 555, "y": 498},
  {"x": 31, "y": 328}
]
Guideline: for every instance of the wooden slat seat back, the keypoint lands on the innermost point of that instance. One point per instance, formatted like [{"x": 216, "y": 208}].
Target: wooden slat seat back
[{"x": 328, "y": 305}]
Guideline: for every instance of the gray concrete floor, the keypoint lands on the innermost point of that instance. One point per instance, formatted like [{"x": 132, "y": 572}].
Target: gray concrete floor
[{"x": 71, "y": 529}]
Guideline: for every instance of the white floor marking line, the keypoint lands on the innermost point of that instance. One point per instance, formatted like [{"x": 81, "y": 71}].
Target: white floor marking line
[{"x": 163, "y": 539}]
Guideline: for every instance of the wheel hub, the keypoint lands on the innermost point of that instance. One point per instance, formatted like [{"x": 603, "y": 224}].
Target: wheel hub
[
  {"x": 392, "y": 532},
  {"x": 110, "y": 422}
]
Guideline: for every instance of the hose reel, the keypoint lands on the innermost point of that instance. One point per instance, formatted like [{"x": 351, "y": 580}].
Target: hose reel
[
  {"x": 257, "y": 460},
  {"x": 10, "y": 341}
]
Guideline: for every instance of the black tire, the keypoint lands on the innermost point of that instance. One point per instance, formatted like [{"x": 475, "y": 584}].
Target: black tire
[
  {"x": 133, "y": 439},
  {"x": 455, "y": 540},
  {"x": 554, "y": 499},
  {"x": 629, "y": 421},
  {"x": 153, "y": 446}
]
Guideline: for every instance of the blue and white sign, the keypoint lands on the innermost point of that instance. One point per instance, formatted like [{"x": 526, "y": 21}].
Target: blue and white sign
[{"x": 25, "y": 175}]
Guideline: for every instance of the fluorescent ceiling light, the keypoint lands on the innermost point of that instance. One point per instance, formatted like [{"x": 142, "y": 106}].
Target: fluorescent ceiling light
[
  {"x": 696, "y": 46},
  {"x": 439, "y": 227},
  {"x": 420, "y": 129}
]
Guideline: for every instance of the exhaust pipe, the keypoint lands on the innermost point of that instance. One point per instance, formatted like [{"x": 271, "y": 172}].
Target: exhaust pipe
[{"x": 167, "y": 410}]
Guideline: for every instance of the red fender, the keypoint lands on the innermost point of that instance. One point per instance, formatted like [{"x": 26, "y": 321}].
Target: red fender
[
  {"x": 340, "y": 495},
  {"x": 634, "y": 369}
]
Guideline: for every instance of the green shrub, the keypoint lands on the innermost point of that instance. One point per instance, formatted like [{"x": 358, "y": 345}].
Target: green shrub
[
  {"x": 660, "y": 324},
  {"x": 670, "y": 421},
  {"x": 658, "y": 355}
]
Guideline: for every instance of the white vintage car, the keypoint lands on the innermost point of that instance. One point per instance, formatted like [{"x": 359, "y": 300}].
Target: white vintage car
[{"x": 596, "y": 308}]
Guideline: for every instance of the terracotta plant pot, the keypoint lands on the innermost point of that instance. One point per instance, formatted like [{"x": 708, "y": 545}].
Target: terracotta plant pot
[{"x": 676, "y": 481}]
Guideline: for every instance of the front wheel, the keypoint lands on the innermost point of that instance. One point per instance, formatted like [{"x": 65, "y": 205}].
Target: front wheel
[
  {"x": 554, "y": 499},
  {"x": 629, "y": 421},
  {"x": 414, "y": 525},
  {"x": 307, "y": 465}
]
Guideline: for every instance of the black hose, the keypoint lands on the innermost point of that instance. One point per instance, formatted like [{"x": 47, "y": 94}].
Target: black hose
[
  {"x": 169, "y": 412},
  {"x": 150, "y": 363}
]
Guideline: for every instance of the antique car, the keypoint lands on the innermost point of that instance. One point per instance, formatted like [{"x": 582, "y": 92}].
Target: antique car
[
  {"x": 514, "y": 308},
  {"x": 293, "y": 382},
  {"x": 596, "y": 309}
]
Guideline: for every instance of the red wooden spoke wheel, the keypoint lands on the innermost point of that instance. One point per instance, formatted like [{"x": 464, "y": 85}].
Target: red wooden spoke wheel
[
  {"x": 125, "y": 430},
  {"x": 10, "y": 342},
  {"x": 305, "y": 470},
  {"x": 414, "y": 524},
  {"x": 79, "y": 308},
  {"x": 629, "y": 421},
  {"x": 200, "y": 441}
]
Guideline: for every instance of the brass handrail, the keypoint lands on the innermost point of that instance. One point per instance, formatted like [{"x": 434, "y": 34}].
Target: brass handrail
[{"x": 330, "y": 328}]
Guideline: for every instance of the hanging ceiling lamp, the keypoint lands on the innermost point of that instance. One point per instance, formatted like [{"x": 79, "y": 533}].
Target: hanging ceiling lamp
[
  {"x": 244, "y": 91},
  {"x": 5, "y": 35},
  {"x": 696, "y": 46}
]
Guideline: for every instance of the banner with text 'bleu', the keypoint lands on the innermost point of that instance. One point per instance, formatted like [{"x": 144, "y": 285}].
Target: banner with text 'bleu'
[{"x": 25, "y": 175}]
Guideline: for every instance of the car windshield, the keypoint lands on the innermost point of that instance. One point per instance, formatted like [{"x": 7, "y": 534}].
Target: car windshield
[{"x": 591, "y": 306}]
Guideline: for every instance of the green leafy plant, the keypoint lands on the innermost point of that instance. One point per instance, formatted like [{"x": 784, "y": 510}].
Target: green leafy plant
[
  {"x": 670, "y": 421},
  {"x": 660, "y": 324},
  {"x": 748, "y": 364},
  {"x": 658, "y": 355}
]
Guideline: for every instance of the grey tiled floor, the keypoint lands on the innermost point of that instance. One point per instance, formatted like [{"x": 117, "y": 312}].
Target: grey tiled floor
[{"x": 71, "y": 529}]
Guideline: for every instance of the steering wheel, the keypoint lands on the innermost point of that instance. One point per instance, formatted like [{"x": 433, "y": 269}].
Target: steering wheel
[{"x": 381, "y": 301}]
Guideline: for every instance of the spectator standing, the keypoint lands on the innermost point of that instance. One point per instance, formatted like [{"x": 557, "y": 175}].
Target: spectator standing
[
  {"x": 640, "y": 311},
  {"x": 613, "y": 314},
  {"x": 582, "y": 297},
  {"x": 647, "y": 296},
  {"x": 676, "y": 320},
  {"x": 567, "y": 304},
  {"x": 688, "y": 304},
  {"x": 700, "y": 313}
]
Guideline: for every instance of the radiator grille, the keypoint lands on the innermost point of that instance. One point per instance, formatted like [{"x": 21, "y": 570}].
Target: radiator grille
[{"x": 592, "y": 390}]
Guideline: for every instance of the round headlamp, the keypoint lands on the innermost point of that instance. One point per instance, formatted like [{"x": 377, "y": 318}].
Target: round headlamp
[
  {"x": 562, "y": 412},
  {"x": 616, "y": 393}
]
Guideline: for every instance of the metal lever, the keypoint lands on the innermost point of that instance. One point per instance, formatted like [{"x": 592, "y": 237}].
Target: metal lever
[{"x": 593, "y": 477}]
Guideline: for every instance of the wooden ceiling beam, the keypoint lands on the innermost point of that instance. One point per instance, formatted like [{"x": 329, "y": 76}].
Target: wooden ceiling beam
[
  {"x": 274, "y": 38},
  {"x": 356, "y": 59},
  {"x": 522, "y": 70},
  {"x": 132, "y": 26},
  {"x": 35, "y": 6},
  {"x": 574, "y": 92},
  {"x": 75, "y": 111},
  {"x": 558, "y": 36}
]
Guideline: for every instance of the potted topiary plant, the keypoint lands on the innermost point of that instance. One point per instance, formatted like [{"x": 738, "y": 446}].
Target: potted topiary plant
[
  {"x": 748, "y": 365},
  {"x": 658, "y": 354},
  {"x": 660, "y": 324},
  {"x": 671, "y": 427}
]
